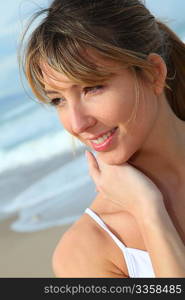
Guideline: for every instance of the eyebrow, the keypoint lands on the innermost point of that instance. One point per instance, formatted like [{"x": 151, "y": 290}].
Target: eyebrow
[
  {"x": 51, "y": 92},
  {"x": 55, "y": 92}
]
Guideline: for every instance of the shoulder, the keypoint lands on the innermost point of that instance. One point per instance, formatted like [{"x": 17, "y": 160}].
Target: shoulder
[{"x": 84, "y": 251}]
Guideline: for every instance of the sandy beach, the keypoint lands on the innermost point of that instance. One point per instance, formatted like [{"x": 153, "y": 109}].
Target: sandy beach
[{"x": 27, "y": 255}]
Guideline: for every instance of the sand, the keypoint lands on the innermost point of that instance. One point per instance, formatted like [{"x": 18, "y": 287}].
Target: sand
[{"x": 27, "y": 255}]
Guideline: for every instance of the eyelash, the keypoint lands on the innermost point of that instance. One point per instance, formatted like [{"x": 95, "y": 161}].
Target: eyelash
[{"x": 57, "y": 101}]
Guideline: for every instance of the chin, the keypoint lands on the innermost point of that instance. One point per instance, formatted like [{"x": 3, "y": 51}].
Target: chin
[
  {"x": 118, "y": 159},
  {"x": 113, "y": 159}
]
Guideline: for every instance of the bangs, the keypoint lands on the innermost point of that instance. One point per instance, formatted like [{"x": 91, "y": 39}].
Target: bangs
[
  {"x": 82, "y": 61},
  {"x": 74, "y": 60},
  {"x": 71, "y": 58}
]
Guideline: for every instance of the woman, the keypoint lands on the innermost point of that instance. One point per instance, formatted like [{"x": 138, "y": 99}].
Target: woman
[{"x": 115, "y": 75}]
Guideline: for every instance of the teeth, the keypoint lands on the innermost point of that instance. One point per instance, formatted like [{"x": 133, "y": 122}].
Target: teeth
[{"x": 103, "y": 138}]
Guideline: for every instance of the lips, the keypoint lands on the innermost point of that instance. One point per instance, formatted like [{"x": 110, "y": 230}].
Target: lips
[
  {"x": 102, "y": 134},
  {"x": 103, "y": 145}
]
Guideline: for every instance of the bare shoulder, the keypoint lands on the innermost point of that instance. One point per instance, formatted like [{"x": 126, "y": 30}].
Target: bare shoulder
[{"x": 84, "y": 251}]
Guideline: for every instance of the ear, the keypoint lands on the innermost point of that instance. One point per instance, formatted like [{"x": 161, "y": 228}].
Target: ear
[{"x": 160, "y": 72}]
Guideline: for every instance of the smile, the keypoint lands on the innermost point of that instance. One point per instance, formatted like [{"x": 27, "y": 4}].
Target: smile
[{"x": 102, "y": 142}]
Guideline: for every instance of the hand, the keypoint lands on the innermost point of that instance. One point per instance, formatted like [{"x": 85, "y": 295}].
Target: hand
[{"x": 125, "y": 185}]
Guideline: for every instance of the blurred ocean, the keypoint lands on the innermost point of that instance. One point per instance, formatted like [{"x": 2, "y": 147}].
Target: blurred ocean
[{"x": 42, "y": 182}]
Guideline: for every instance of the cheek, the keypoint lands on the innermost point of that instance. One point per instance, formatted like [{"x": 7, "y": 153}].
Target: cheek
[
  {"x": 126, "y": 104},
  {"x": 116, "y": 106},
  {"x": 147, "y": 114},
  {"x": 133, "y": 137}
]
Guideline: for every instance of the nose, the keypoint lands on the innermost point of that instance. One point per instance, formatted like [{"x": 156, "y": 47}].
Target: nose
[{"x": 80, "y": 120}]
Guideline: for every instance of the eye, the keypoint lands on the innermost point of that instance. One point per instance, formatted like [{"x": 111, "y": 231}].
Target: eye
[
  {"x": 57, "y": 101},
  {"x": 93, "y": 89}
]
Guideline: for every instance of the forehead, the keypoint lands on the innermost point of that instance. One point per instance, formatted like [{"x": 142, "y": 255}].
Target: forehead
[{"x": 54, "y": 78}]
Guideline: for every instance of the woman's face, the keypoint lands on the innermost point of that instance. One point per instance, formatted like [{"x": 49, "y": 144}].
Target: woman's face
[{"x": 98, "y": 116}]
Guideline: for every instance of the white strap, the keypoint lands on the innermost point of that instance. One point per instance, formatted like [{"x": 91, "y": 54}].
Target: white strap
[
  {"x": 131, "y": 255},
  {"x": 104, "y": 226}
]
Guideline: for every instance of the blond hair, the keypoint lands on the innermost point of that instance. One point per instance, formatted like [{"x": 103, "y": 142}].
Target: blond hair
[{"x": 123, "y": 31}]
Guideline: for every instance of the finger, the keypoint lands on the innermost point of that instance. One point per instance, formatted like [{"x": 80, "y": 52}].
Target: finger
[
  {"x": 93, "y": 165},
  {"x": 102, "y": 165}
]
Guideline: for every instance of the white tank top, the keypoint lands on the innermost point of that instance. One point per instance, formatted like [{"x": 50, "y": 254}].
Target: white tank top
[{"x": 138, "y": 261}]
